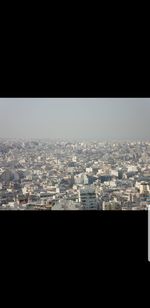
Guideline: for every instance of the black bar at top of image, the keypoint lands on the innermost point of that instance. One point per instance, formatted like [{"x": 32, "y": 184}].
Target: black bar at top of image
[{"x": 71, "y": 79}]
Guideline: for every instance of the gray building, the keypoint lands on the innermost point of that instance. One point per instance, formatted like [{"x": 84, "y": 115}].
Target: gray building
[{"x": 88, "y": 199}]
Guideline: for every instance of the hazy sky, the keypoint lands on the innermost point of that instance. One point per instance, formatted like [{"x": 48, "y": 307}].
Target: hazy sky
[{"x": 97, "y": 118}]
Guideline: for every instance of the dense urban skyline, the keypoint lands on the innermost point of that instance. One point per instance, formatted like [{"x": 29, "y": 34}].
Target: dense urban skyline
[
  {"x": 62, "y": 175},
  {"x": 87, "y": 118}
]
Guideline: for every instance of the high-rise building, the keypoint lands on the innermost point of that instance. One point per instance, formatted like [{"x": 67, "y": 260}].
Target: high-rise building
[
  {"x": 88, "y": 199},
  {"x": 74, "y": 159},
  {"x": 144, "y": 188}
]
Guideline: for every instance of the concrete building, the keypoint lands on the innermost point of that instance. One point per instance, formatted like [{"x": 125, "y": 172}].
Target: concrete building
[
  {"x": 88, "y": 199},
  {"x": 144, "y": 188}
]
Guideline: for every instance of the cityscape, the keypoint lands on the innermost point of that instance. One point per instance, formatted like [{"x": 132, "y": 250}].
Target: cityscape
[
  {"x": 65, "y": 175},
  {"x": 85, "y": 162}
]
